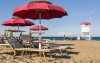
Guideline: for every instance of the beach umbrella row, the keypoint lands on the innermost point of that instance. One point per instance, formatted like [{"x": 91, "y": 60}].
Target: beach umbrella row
[
  {"x": 39, "y": 10},
  {"x": 21, "y": 22}
]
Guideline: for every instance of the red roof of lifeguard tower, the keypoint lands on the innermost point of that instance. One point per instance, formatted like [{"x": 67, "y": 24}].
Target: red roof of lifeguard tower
[{"x": 86, "y": 23}]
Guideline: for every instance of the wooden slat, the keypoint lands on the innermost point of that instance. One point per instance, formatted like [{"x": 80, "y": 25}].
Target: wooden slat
[
  {"x": 4, "y": 44},
  {"x": 33, "y": 49}
]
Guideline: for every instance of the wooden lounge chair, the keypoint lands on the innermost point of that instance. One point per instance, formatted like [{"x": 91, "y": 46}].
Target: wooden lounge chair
[
  {"x": 61, "y": 49},
  {"x": 26, "y": 40},
  {"x": 14, "y": 49}
]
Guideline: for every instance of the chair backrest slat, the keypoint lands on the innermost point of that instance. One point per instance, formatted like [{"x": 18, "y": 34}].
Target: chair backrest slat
[
  {"x": 26, "y": 39},
  {"x": 14, "y": 43}
]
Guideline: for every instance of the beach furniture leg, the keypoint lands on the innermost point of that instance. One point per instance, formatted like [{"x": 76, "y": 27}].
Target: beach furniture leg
[
  {"x": 31, "y": 53},
  {"x": 5, "y": 47},
  {"x": 26, "y": 53},
  {"x": 66, "y": 51},
  {"x": 22, "y": 53},
  {"x": 61, "y": 52},
  {"x": 14, "y": 55},
  {"x": 50, "y": 55},
  {"x": 44, "y": 56}
]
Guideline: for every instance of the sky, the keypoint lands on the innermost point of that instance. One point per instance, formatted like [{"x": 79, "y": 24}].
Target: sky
[{"x": 78, "y": 11}]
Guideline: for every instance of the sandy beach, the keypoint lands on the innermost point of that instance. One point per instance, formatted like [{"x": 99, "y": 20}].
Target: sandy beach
[
  {"x": 78, "y": 52},
  {"x": 83, "y": 51}
]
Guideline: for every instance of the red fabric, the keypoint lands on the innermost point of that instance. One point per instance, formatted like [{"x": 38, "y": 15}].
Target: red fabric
[
  {"x": 86, "y": 23},
  {"x": 38, "y": 27},
  {"x": 17, "y": 22},
  {"x": 32, "y": 10}
]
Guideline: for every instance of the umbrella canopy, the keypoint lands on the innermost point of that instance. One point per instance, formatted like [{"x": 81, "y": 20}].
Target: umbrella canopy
[
  {"x": 17, "y": 22},
  {"x": 39, "y": 10},
  {"x": 36, "y": 28}
]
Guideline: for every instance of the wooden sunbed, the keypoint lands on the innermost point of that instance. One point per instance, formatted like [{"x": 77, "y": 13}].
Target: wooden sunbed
[
  {"x": 28, "y": 49},
  {"x": 60, "y": 48}
]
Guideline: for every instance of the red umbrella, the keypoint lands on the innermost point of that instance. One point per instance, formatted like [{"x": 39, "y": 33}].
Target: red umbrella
[
  {"x": 36, "y": 28},
  {"x": 17, "y": 22},
  {"x": 39, "y": 10}
]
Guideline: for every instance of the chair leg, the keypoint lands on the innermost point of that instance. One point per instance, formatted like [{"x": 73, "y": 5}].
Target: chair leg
[
  {"x": 5, "y": 47},
  {"x": 44, "y": 57},
  {"x": 22, "y": 53},
  {"x": 66, "y": 52},
  {"x": 14, "y": 55},
  {"x": 30, "y": 53},
  {"x": 25, "y": 53},
  {"x": 61, "y": 52},
  {"x": 50, "y": 55}
]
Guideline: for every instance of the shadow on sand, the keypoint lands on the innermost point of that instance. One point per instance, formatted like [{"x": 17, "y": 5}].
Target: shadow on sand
[{"x": 73, "y": 52}]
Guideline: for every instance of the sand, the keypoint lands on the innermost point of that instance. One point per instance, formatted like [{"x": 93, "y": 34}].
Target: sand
[{"x": 78, "y": 52}]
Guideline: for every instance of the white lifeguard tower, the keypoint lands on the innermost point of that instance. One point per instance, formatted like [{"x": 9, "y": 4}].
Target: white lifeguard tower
[{"x": 85, "y": 31}]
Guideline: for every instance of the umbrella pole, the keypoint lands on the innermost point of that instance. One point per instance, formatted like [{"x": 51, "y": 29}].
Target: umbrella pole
[
  {"x": 40, "y": 26},
  {"x": 40, "y": 44},
  {"x": 18, "y": 26}
]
